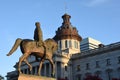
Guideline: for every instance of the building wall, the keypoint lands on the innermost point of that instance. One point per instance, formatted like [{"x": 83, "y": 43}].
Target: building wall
[{"x": 100, "y": 63}]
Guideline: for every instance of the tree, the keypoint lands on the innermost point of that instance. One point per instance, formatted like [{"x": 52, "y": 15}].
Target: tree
[{"x": 1, "y": 77}]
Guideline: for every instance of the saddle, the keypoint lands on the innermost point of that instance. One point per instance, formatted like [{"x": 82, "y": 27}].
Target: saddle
[{"x": 41, "y": 44}]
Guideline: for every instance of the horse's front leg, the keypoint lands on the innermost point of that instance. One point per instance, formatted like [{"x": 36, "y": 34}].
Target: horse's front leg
[
  {"x": 40, "y": 66},
  {"x": 22, "y": 58},
  {"x": 30, "y": 67},
  {"x": 19, "y": 64}
]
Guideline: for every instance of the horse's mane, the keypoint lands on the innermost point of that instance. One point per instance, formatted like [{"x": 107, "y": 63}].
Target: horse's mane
[{"x": 28, "y": 40}]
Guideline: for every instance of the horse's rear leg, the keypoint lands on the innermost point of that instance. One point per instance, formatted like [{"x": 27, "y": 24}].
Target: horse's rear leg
[
  {"x": 30, "y": 67},
  {"x": 40, "y": 66},
  {"x": 53, "y": 67},
  {"x": 22, "y": 58}
]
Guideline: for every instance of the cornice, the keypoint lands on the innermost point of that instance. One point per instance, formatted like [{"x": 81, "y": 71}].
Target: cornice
[
  {"x": 62, "y": 56},
  {"x": 97, "y": 51}
]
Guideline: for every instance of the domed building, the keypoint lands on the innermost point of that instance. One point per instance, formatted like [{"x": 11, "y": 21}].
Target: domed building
[
  {"x": 67, "y": 31},
  {"x": 67, "y": 36},
  {"x": 68, "y": 41}
]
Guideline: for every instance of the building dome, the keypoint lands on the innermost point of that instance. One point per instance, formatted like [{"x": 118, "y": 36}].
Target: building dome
[{"x": 67, "y": 31}]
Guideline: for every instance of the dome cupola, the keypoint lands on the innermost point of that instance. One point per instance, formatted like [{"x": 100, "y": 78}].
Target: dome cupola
[{"x": 67, "y": 31}]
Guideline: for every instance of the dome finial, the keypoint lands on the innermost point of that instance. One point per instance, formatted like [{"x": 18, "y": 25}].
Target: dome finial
[
  {"x": 66, "y": 7},
  {"x": 66, "y": 18}
]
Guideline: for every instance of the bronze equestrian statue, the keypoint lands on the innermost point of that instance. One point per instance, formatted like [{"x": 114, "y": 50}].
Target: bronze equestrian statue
[{"x": 34, "y": 47}]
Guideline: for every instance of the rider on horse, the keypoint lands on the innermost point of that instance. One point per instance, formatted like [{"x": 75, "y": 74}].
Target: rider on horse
[{"x": 38, "y": 37}]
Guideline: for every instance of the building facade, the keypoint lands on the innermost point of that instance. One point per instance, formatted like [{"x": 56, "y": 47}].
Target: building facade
[
  {"x": 103, "y": 62},
  {"x": 76, "y": 57}
]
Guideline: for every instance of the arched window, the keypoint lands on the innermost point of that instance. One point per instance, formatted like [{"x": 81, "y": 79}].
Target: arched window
[
  {"x": 60, "y": 45},
  {"x": 70, "y": 44},
  {"x": 66, "y": 43},
  {"x": 74, "y": 44},
  {"x": 65, "y": 68}
]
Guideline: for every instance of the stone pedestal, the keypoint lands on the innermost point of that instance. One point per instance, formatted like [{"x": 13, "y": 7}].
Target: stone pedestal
[{"x": 33, "y": 77}]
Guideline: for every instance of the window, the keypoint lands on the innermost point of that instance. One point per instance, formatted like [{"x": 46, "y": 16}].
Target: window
[
  {"x": 87, "y": 66},
  {"x": 66, "y": 44},
  {"x": 78, "y": 67},
  {"x": 119, "y": 60},
  {"x": 70, "y": 44},
  {"x": 65, "y": 68},
  {"x": 75, "y": 45},
  {"x": 108, "y": 62},
  {"x": 97, "y": 64},
  {"x": 60, "y": 45}
]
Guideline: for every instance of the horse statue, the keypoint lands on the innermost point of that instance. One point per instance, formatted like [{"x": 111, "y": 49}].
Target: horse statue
[{"x": 28, "y": 47}]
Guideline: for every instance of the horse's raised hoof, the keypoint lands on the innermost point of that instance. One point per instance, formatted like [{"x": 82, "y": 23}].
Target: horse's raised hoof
[{"x": 7, "y": 54}]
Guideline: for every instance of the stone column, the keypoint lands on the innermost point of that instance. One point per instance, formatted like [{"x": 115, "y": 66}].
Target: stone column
[
  {"x": 70, "y": 71},
  {"x": 47, "y": 69},
  {"x": 44, "y": 69},
  {"x": 50, "y": 69},
  {"x": 35, "y": 70},
  {"x": 55, "y": 69},
  {"x": 27, "y": 71},
  {"x": 62, "y": 70}
]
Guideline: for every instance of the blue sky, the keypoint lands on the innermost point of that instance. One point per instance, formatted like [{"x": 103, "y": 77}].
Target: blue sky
[{"x": 99, "y": 19}]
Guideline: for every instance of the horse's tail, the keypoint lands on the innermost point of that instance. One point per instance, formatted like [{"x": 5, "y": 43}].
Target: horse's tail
[{"x": 15, "y": 46}]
